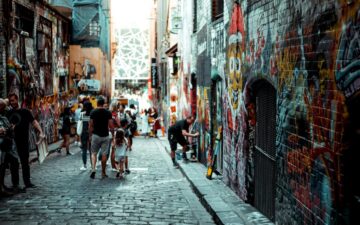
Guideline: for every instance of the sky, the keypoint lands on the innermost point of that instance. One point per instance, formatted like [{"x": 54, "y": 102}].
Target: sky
[{"x": 131, "y": 13}]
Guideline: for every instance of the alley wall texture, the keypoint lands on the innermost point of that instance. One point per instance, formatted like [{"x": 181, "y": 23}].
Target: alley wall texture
[
  {"x": 309, "y": 53},
  {"x": 35, "y": 61}
]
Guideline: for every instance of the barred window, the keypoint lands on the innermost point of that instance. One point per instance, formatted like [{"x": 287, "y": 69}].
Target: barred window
[{"x": 217, "y": 9}]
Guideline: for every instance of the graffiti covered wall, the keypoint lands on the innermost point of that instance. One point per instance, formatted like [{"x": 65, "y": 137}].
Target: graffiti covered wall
[
  {"x": 38, "y": 62},
  {"x": 309, "y": 51},
  {"x": 2, "y": 56}
]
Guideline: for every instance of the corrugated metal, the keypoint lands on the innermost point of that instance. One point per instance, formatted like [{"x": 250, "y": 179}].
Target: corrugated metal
[{"x": 265, "y": 151}]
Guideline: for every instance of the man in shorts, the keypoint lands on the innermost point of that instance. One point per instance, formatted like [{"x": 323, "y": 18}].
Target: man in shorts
[
  {"x": 177, "y": 133},
  {"x": 100, "y": 120}
]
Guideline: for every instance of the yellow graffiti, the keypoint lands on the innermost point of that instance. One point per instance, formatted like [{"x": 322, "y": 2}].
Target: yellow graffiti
[
  {"x": 286, "y": 64},
  {"x": 235, "y": 73}
]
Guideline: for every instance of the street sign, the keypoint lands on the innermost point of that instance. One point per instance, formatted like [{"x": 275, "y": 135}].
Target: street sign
[{"x": 154, "y": 73}]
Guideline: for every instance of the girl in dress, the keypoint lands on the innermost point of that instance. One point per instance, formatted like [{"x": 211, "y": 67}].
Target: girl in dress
[{"x": 120, "y": 148}]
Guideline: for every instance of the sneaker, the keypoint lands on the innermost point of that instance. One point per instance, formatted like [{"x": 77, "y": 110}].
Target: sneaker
[
  {"x": 92, "y": 175},
  {"x": 4, "y": 193},
  {"x": 58, "y": 150},
  {"x": 114, "y": 169},
  {"x": 185, "y": 159},
  {"x": 6, "y": 188},
  {"x": 83, "y": 168},
  {"x": 118, "y": 174},
  {"x": 30, "y": 185},
  {"x": 127, "y": 171},
  {"x": 18, "y": 190},
  {"x": 69, "y": 153}
]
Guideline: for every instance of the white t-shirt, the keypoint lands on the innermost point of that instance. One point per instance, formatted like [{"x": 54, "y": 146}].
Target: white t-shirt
[{"x": 120, "y": 150}]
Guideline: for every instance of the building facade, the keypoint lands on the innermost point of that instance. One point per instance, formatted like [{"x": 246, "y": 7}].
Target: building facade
[
  {"x": 34, "y": 60},
  {"x": 90, "y": 60},
  {"x": 280, "y": 79}
]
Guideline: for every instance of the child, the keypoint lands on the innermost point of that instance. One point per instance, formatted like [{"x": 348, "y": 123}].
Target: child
[{"x": 121, "y": 146}]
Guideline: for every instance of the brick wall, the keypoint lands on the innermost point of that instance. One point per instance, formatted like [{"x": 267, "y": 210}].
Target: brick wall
[
  {"x": 2, "y": 55},
  {"x": 37, "y": 63},
  {"x": 308, "y": 51}
]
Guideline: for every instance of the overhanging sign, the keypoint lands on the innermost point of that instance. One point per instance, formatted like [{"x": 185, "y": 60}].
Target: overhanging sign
[{"x": 154, "y": 76}]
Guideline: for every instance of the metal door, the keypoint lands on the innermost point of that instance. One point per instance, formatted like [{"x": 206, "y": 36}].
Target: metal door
[
  {"x": 265, "y": 150},
  {"x": 219, "y": 103}
]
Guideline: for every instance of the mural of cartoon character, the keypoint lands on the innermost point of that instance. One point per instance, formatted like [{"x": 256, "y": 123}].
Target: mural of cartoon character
[{"x": 235, "y": 54}]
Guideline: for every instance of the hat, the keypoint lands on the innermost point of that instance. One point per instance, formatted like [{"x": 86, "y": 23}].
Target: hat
[{"x": 236, "y": 30}]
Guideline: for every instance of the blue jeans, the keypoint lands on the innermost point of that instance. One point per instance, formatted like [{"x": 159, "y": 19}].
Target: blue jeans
[{"x": 84, "y": 146}]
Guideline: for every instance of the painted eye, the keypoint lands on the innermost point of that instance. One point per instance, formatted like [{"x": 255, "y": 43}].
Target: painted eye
[
  {"x": 232, "y": 66},
  {"x": 238, "y": 65}
]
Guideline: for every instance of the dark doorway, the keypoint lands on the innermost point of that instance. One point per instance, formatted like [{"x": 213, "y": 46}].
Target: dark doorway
[{"x": 265, "y": 150}]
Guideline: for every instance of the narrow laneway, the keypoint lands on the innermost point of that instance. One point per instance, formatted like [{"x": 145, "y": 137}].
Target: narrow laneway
[{"x": 153, "y": 193}]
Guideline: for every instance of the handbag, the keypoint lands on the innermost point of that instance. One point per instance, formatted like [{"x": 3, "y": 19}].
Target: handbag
[{"x": 79, "y": 125}]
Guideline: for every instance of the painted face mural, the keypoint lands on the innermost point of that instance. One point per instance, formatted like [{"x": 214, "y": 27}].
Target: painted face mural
[
  {"x": 234, "y": 53},
  {"x": 348, "y": 58}
]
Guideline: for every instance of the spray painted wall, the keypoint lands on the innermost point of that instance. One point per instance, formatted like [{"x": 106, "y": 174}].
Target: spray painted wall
[
  {"x": 2, "y": 56},
  {"x": 309, "y": 51},
  {"x": 37, "y": 65}
]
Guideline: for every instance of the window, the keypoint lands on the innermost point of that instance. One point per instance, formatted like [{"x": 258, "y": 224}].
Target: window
[
  {"x": 94, "y": 28},
  {"x": 217, "y": 9},
  {"x": 44, "y": 51},
  {"x": 63, "y": 84},
  {"x": 24, "y": 19}
]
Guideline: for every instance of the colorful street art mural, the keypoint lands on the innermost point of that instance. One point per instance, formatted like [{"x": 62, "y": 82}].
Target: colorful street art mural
[
  {"x": 38, "y": 66},
  {"x": 312, "y": 60}
]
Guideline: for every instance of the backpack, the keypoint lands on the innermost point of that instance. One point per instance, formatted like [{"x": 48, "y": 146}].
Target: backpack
[
  {"x": 115, "y": 120},
  {"x": 133, "y": 127}
]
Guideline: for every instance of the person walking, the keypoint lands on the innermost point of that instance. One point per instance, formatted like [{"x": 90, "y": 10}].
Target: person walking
[
  {"x": 177, "y": 133},
  {"x": 115, "y": 124},
  {"x": 77, "y": 114},
  {"x": 132, "y": 126},
  {"x": 22, "y": 118},
  {"x": 125, "y": 126},
  {"x": 120, "y": 148},
  {"x": 84, "y": 136},
  {"x": 100, "y": 120},
  {"x": 145, "y": 129},
  {"x": 66, "y": 129}
]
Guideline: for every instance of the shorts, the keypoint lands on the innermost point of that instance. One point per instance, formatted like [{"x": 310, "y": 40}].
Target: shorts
[
  {"x": 65, "y": 131},
  {"x": 98, "y": 143},
  {"x": 119, "y": 159},
  {"x": 175, "y": 139}
]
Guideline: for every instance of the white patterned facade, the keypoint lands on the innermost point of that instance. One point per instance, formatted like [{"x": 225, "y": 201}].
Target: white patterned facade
[{"x": 131, "y": 60}]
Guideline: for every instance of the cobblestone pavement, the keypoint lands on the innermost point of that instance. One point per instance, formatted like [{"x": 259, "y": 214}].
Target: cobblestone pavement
[{"x": 153, "y": 193}]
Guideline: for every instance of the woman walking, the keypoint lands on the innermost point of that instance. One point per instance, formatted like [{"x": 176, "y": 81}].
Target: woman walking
[
  {"x": 145, "y": 128},
  {"x": 114, "y": 125},
  {"x": 84, "y": 137},
  {"x": 65, "y": 131}
]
